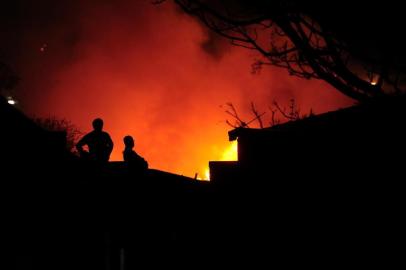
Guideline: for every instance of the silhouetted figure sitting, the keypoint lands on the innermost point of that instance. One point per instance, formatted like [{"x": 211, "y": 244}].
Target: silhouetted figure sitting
[
  {"x": 99, "y": 143},
  {"x": 135, "y": 162}
]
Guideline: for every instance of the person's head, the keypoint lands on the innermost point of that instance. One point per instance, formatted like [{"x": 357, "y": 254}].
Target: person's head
[
  {"x": 129, "y": 141},
  {"x": 97, "y": 124}
]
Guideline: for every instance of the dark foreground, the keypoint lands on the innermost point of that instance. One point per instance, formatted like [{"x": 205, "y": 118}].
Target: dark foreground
[{"x": 326, "y": 208}]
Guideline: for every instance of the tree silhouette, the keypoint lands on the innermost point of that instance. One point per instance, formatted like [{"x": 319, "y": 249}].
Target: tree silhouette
[
  {"x": 73, "y": 133},
  {"x": 279, "y": 115},
  {"x": 352, "y": 51}
]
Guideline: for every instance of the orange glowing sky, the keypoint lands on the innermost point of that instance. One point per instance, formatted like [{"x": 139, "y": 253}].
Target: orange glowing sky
[{"x": 156, "y": 74}]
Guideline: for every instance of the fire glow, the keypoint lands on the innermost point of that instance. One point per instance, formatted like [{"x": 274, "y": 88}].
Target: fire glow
[
  {"x": 156, "y": 74},
  {"x": 229, "y": 154}
]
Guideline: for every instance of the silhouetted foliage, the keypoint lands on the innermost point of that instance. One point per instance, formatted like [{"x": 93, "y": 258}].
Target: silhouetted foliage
[
  {"x": 54, "y": 124},
  {"x": 292, "y": 113},
  {"x": 311, "y": 39},
  {"x": 258, "y": 116},
  {"x": 238, "y": 122},
  {"x": 278, "y": 115}
]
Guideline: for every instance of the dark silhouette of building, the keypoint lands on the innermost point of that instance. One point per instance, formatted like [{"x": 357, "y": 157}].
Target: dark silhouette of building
[
  {"x": 324, "y": 190},
  {"x": 330, "y": 184},
  {"x": 349, "y": 143},
  {"x": 99, "y": 143}
]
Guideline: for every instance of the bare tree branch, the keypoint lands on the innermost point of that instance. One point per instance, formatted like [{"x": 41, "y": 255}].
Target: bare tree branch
[{"x": 288, "y": 37}]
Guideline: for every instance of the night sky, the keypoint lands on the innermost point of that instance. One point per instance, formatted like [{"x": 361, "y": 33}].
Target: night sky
[{"x": 149, "y": 71}]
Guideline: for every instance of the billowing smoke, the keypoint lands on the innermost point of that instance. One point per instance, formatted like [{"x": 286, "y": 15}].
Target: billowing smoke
[{"x": 151, "y": 72}]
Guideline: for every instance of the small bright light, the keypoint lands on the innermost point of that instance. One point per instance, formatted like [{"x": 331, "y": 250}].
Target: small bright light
[
  {"x": 373, "y": 83},
  {"x": 11, "y": 102}
]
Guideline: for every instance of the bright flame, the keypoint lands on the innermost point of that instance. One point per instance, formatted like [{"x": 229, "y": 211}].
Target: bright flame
[
  {"x": 374, "y": 82},
  {"x": 229, "y": 154},
  {"x": 207, "y": 174}
]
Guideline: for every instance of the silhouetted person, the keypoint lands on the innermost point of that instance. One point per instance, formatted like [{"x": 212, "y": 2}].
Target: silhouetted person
[
  {"x": 134, "y": 161},
  {"x": 99, "y": 143}
]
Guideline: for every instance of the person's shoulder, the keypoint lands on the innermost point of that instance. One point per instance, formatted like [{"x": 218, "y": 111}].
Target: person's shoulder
[
  {"x": 127, "y": 152},
  {"x": 126, "y": 155},
  {"x": 87, "y": 135},
  {"x": 106, "y": 134}
]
